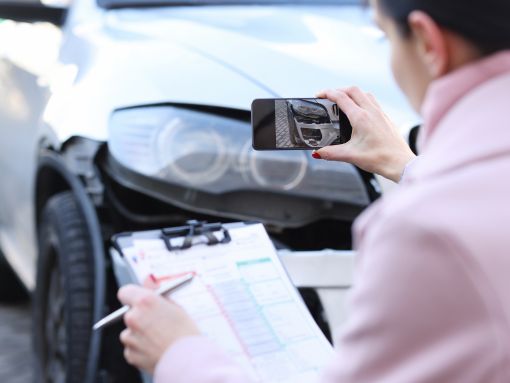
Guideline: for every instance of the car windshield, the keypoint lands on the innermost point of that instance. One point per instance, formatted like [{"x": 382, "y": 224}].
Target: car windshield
[{"x": 142, "y": 3}]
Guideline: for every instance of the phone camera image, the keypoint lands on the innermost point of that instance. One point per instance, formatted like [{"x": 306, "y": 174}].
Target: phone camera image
[
  {"x": 303, "y": 122},
  {"x": 298, "y": 124}
]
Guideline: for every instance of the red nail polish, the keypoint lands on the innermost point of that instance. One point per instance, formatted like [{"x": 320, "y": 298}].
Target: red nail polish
[{"x": 316, "y": 155}]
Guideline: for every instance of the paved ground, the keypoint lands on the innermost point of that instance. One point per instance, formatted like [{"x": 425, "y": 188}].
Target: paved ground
[
  {"x": 282, "y": 125},
  {"x": 16, "y": 362}
]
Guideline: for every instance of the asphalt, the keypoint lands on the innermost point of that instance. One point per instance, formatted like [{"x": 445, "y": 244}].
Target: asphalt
[
  {"x": 282, "y": 125},
  {"x": 16, "y": 362}
]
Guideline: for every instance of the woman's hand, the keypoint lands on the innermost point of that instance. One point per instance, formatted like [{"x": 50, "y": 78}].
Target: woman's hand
[
  {"x": 153, "y": 324},
  {"x": 376, "y": 145}
]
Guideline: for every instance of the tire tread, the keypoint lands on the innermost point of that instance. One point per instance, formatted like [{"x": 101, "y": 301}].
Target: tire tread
[{"x": 63, "y": 218}]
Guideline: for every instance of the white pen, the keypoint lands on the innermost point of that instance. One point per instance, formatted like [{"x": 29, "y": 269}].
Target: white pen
[{"x": 164, "y": 289}]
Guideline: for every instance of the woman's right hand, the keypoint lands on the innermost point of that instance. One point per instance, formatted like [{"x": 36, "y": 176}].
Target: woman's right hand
[{"x": 376, "y": 145}]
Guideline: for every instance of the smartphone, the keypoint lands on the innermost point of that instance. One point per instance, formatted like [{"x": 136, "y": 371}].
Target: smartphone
[{"x": 298, "y": 124}]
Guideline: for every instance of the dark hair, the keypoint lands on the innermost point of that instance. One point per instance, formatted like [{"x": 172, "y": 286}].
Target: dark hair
[{"x": 485, "y": 23}]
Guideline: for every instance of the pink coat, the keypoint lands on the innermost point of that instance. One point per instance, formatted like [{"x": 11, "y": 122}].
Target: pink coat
[{"x": 432, "y": 296}]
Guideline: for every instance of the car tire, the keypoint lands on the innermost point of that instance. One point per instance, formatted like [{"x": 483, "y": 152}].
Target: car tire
[
  {"x": 293, "y": 134},
  {"x": 63, "y": 300},
  {"x": 293, "y": 139}
]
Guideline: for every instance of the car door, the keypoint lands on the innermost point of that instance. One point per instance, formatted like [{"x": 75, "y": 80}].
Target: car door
[{"x": 28, "y": 51}]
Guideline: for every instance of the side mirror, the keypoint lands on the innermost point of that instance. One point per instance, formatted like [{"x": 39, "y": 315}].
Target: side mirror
[{"x": 32, "y": 11}]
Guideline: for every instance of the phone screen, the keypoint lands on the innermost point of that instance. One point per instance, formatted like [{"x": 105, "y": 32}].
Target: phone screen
[{"x": 298, "y": 124}]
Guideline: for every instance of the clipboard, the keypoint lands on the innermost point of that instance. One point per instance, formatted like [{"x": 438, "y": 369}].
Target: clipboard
[
  {"x": 241, "y": 296},
  {"x": 191, "y": 234}
]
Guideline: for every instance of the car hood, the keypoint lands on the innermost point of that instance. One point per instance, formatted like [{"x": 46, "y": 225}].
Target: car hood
[
  {"x": 286, "y": 51},
  {"x": 224, "y": 56}
]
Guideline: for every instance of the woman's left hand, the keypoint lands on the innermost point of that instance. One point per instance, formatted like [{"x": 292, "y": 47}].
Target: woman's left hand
[{"x": 153, "y": 325}]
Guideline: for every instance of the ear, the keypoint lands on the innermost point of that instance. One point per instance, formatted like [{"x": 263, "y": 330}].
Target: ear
[{"x": 431, "y": 43}]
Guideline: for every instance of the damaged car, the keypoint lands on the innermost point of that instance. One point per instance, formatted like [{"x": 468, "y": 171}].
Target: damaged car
[
  {"x": 126, "y": 115},
  {"x": 311, "y": 124}
]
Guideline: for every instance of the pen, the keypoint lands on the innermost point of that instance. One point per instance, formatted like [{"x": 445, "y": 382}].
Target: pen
[{"x": 164, "y": 289}]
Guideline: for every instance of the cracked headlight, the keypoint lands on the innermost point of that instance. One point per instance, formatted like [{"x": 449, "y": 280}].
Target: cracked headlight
[{"x": 213, "y": 154}]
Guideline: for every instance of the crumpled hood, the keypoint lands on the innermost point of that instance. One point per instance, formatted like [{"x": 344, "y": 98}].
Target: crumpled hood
[
  {"x": 214, "y": 55},
  {"x": 287, "y": 51}
]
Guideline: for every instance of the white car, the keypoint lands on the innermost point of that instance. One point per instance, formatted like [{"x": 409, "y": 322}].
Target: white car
[{"x": 122, "y": 115}]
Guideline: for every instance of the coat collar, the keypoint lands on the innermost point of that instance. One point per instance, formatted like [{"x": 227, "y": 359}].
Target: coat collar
[
  {"x": 445, "y": 92},
  {"x": 466, "y": 116}
]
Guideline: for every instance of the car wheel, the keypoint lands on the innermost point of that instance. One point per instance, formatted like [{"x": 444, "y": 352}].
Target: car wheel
[
  {"x": 293, "y": 134},
  {"x": 63, "y": 300},
  {"x": 293, "y": 139}
]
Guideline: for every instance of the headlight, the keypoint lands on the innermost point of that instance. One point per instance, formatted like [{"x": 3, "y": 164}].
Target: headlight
[{"x": 213, "y": 154}]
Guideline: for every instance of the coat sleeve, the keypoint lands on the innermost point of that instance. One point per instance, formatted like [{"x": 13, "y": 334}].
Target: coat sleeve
[
  {"x": 417, "y": 315},
  {"x": 419, "y": 310},
  {"x": 197, "y": 360}
]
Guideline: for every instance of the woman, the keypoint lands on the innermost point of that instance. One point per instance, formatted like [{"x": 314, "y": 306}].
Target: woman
[{"x": 432, "y": 297}]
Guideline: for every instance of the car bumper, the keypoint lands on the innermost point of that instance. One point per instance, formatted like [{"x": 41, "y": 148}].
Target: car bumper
[
  {"x": 329, "y": 272},
  {"x": 328, "y": 134}
]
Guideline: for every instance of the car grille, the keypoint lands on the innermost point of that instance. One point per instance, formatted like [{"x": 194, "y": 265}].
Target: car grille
[{"x": 311, "y": 134}]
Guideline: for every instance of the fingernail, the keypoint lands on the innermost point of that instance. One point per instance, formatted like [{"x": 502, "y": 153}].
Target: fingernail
[{"x": 316, "y": 155}]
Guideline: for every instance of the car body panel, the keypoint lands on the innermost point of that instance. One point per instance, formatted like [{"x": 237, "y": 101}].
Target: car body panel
[
  {"x": 27, "y": 54},
  {"x": 202, "y": 45}
]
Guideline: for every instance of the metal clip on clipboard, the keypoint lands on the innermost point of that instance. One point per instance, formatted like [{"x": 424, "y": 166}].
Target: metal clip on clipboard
[
  {"x": 184, "y": 236},
  {"x": 194, "y": 229}
]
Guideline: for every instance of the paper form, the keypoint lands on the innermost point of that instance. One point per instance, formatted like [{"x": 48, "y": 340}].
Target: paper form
[{"x": 242, "y": 298}]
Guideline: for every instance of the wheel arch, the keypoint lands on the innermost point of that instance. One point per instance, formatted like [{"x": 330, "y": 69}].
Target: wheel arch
[{"x": 52, "y": 177}]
